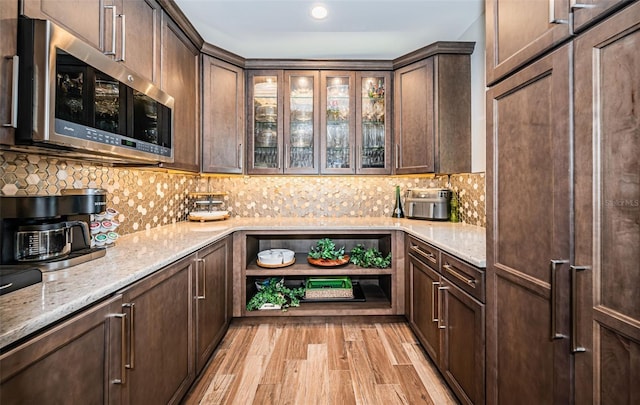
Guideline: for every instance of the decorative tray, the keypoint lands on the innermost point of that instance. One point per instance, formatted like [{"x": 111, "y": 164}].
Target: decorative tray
[
  {"x": 275, "y": 266},
  {"x": 208, "y": 216},
  {"x": 328, "y": 262}
]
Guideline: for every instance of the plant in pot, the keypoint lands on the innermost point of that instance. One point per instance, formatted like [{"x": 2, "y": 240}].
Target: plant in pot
[
  {"x": 325, "y": 253},
  {"x": 273, "y": 294},
  {"x": 372, "y": 257}
]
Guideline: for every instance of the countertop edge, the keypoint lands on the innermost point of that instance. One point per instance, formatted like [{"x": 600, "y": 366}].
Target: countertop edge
[{"x": 21, "y": 330}]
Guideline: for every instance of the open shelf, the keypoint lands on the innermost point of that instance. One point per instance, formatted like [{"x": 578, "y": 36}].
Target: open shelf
[
  {"x": 382, "y": 288},
  {"x": 377, "y": 303},
  {"x": 302, "y": 267}
]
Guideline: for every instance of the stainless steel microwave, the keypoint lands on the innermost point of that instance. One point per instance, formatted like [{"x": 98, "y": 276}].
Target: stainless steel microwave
[{"x": 72, "y": 98}]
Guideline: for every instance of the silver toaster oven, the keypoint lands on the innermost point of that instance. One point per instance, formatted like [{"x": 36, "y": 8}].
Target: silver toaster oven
[{"x": 428, "y": 203}]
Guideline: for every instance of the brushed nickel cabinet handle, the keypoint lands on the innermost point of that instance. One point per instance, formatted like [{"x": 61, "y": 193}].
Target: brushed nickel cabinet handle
[
  {"x": 114, "y": 15},
  {"x": 123, "y": 39},
  {"x": 204, "y": 280},
  {"x": 554, "y": 298},
  {"x": 397, "y": 156},
  {"x": 132, "y": 332},
  {"x": 239, "y": 159},
  {"x": 13, "y": 119},
  {"x": 441, "y": 322},
  {"x": 424, "y": 253},
  {"x": 6, "y": 286},
  {"x": 552, "y": 14},
  {"x": 575, "y": 346},
  {"x": 452, "y": 270},
  {"x": 286, "y": 156},
  {"x": 123, "y": 351},
  {"x": 434, "y": 300},
  {"x": 575, "y": 5}
]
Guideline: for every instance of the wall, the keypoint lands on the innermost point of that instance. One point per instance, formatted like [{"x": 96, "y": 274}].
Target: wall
[
  {"x": 476, "y": 32},
  {"x": 146, "y": 199}
]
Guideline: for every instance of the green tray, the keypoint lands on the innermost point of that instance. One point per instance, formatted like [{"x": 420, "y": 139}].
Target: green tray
[{"x": 314, "y": 283}]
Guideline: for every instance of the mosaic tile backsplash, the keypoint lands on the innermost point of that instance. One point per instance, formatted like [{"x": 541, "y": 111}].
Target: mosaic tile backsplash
[{"x": 146, "y": 199}]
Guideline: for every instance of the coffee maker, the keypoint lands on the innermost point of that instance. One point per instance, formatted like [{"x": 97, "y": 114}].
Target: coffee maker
[{"x": 49, "y": 232}]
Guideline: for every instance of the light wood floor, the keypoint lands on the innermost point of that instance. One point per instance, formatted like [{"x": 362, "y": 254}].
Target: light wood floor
[{"x": 280, "y": 361}]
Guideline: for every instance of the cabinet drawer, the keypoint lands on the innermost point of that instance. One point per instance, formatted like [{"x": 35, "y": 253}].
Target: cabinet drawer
[
  {"x": 465, "y": 276},
  {"x": 427, "y": 253}
]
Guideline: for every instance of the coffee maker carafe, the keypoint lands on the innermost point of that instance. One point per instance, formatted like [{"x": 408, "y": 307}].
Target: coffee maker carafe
[{"x": 50, "y": 232}]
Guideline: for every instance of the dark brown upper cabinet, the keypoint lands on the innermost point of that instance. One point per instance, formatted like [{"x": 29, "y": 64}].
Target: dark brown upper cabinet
[
  {"x": 516, "y": 35},
  {"x": 432, "y": 111},
  {"x": 223, "y": 115}
]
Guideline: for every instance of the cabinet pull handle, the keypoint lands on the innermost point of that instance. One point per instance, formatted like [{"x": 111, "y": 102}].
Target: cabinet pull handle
[
  {"x": 574, "y": 5},
  {"x": 575, "y": 346},
  {"x": 424, "y": 253},
  {"x": 397, "y": 156},
  {"x": 204, "y": 280},
  {"x": 13, "y": 119},
  {"x": 440, "y": 304},
  {"x": 434, "y": 300},
  {"x": 123, "y": 39},
  {"x": 123, "y": 351},
  {"x": 286, "y": 156},
  {"x": 554, "y": 293},
  {"x": 114, "y": 14},
  {"x": 132, "y": 332},
  {"x": 239, "y": 159},
  {"x": 6, "y": 286},
  {"x": 552, "y": 14},
  {"x": 452, "y": 270}
]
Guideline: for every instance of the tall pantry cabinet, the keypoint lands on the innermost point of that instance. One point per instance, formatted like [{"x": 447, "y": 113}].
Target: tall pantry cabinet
[
  {"x": 606, "y": 270},
  {"x": 563, "y": 214}
]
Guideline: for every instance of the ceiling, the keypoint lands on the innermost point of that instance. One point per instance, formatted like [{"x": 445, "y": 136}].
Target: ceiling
[{"x": 353, "y": 29}]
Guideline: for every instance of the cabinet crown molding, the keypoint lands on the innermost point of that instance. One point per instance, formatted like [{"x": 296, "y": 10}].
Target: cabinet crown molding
[{"x": 440, "y": 47}]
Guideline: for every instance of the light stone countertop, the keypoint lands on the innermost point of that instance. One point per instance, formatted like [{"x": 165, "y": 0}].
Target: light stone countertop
[{"x": 137, "y": 255}]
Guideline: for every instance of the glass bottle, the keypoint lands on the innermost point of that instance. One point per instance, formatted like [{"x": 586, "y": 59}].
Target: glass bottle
[
  {"x": 454, "y": 208},
  {"x": 398, "y": 212}
]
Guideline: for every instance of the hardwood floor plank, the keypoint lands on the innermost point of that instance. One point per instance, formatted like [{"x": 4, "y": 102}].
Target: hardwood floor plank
[
  {"x": 392, "y": 394},
  {"x": 297, "y": 346},
  {"x": 380, "y": 363},
  {"x": 412, "y": 386},
  {"x": 218, "y": 390},
  {"x": 276, "y": 364},
  {"x": 404, "y": 332},
  {"x": 267, "y": 394},
  {"x": 362, "y": 376},
  {"x": 429, "y": 376},
  {"x": 317, "y": 378},
  {"x": 244, "y": 387},
  {"x": 239, "y": 345},
  {"x": 340, "y": 388},
  {"x": 315, "y": 333},
  {"x": 392, "y": 344},
  {"x": 336, "y": 348},
  {"x": 294, "y": 374},
  {"x": 264, "y": 340}
]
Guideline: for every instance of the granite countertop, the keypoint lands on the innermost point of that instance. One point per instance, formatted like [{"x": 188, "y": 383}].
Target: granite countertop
[{"x": 137, "y": 255}]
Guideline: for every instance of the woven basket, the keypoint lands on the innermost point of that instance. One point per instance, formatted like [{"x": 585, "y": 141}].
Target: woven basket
[{"x": 339, "y": 287}]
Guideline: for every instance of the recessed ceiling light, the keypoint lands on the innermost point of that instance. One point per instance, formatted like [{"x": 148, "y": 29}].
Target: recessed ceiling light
[{"x": 319, "y": 12}]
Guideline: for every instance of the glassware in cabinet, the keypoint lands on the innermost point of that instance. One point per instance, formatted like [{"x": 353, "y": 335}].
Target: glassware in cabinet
[
  {"x": 266, "y": 122},
  {"x": 338, "y": 123},
  {"x": 373, "y": 130},
  {"x": 301, "y": 121}
]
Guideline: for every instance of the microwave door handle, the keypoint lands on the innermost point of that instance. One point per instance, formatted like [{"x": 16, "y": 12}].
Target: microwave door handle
[{"x": 13, "y": 119}]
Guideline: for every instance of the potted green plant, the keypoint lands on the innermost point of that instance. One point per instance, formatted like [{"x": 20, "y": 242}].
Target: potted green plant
[
  {"x": 372, "y": 257},
  {"x": 273, "y": 294},
  {"x": 325, "y": 253}
]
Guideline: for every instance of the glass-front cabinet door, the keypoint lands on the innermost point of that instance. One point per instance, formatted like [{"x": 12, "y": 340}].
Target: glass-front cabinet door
[
  {"x": 301, "y": 117},
  {"x": 373, "y": 141},
  {"x": 338, "y": 122},
  {"x": 265, "y": 141}
]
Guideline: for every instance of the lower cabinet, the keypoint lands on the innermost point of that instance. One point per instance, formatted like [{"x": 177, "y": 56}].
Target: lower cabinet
[
  {"x": 77, "y": 362},
  {"x": 212, "y": 298},
  {"x": 447, "y": 319},
  {"x": 141, "y": 346},
  {"x": 160, "y": 366}
]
